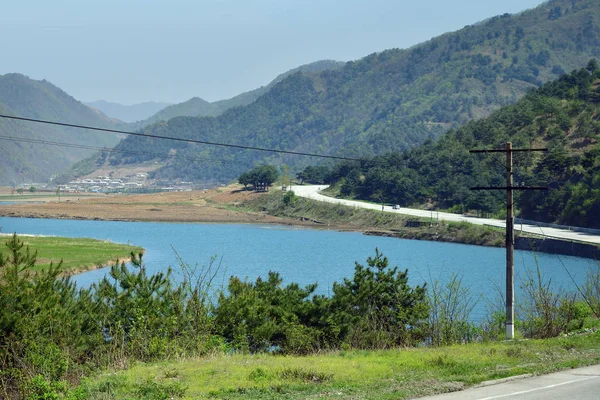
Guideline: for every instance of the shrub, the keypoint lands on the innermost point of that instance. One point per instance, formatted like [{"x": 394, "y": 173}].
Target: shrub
[
  {"x": 263, "y": 315},
  {"x": 592, "y": 291},
  {"x": 51, "y": 334},
  {"x": 450, "y": 306},
  {"x": 289, "y": 198},
  {"x": 377, "y": 308},
  {"x": 545, "y": 313}
]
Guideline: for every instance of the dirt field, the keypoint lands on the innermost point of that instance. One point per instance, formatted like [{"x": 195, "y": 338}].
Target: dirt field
[{"x": 197, "y": 206}]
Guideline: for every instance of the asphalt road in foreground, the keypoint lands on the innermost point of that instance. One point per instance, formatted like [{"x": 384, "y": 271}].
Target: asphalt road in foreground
[
  {"x": 312, "y": 192},
  {"x": 576, "y": 384}
]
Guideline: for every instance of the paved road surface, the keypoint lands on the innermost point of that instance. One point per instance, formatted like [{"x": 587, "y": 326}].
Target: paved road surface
[
  {"x": 574, "y": 384},
  {"x": 312, "y": 192}
]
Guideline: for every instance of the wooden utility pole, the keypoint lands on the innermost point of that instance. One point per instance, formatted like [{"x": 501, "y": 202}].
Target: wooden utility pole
[
  {"x": 510, "y": 246},
  {"x": 510, "y": 231}
]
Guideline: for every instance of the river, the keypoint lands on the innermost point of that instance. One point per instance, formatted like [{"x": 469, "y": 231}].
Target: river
[{"x": 305, "y": 255}]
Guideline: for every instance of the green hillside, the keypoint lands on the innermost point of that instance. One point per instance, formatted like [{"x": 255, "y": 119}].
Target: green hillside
[
  {"x": 33, "y": 162},
  {"x": 197, "y": 107},
  {"x": 390, "y": 101},
  {"x": 562, "y": 116}
]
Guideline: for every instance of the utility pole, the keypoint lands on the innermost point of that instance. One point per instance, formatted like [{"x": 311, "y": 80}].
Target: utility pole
[{"x": 510, "y": 231}]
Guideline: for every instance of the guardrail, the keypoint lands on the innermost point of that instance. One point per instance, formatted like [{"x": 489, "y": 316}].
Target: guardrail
[
  {"x": 557, "y": 246},
  {"x": 565, "y": 227}
]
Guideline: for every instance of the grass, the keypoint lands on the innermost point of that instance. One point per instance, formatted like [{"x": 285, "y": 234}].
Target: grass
[
  {"x": 385, "y": 374},
  {"x": 21, "y": 197},
  {"x": 397, "y": 225},
  {"x": 77, "y": 254},
  {"x": 326, "y": 213},
  {"x": 32, "y": 196}
]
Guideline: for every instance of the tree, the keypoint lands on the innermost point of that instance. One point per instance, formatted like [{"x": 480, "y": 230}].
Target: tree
[
  {"x": 245, "y": 179},
  {"x": 592, "y": 66},
  {"x": 286, "y": 180},
  {"x": 260, "y": 177},
  {"x": 314, "y": 174},
  {"x": 377, "y": 308},
  {"x": 264, "y": 314},
  {"x": 267, "y": 175},
  {"x": 32, "y": 189}
]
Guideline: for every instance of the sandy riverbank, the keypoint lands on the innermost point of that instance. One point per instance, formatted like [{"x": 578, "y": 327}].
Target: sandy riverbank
[{"x": 209, "y": 206}]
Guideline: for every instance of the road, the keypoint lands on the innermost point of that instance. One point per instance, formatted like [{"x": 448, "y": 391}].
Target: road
[
  {"x": 312, "y": 192},
  {"x": 580, "y": 384}
]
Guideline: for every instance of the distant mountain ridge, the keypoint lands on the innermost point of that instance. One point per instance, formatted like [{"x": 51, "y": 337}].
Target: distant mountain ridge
[
  {"x": 197, "y": 107},
  {"x": 36, "y": 162},
  {"x": 128, "y": 113},
  {"x": 389, "y": 101},
  {"x": 30, "y": 157}
]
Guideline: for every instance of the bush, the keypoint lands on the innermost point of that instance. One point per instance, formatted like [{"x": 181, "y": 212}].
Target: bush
[
  {"x": 67, "y": 333},
  {"x": 545, "y": 313},
  {"x": 289, "y": 198},
  {"x": 264, "y": 316},
  {"x": 377, "y": 308},
  {"x": 450, "y": 306},
  {"x": 592, "y": 291}
]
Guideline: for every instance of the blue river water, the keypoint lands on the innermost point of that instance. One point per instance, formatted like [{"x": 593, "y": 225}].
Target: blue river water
[{"x": 307, "y": 256}]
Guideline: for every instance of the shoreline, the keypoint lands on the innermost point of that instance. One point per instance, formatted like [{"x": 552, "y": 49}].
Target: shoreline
[
  {"x": 549, "y": 246},
  {"x": 218, "y": 206},
  {"x": 55, "y": 250}
]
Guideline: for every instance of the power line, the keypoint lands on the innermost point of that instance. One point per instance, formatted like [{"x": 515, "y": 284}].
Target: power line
[
  {"x": 109, "y": 150},
  {"x": 147, "y": 135}
]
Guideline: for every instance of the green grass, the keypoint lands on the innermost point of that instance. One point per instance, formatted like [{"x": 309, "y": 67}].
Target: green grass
[
  {"x": 30, "y": 196},
  {"x": 77, "y": 254},
  {"x": 389, "y": 374},
  {"x": 22, "y": 197},
  {"x": 371, "y": 220}
]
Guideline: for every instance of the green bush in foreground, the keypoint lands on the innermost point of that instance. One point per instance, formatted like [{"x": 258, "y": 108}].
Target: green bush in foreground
[{"x": 53, "y": 334}]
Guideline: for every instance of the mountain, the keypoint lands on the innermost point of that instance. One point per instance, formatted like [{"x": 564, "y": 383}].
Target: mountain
[
  {"x": 24, "y": 158},
  {"x": 197, "y": 107},
  {"x": 128, "y": 113},
  {"x": 389, "y": 101},
  {"x": 562, "y": 116}
]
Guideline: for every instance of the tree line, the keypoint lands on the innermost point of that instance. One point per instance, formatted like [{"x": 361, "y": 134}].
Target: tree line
[{"x": 561, "y": 115}]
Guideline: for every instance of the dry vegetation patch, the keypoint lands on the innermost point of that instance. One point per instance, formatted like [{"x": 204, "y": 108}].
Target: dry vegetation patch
[{"x": 193, "y": 206}]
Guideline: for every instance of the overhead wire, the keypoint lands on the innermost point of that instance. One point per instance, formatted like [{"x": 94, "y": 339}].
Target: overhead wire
[
  {"x": 194, "y": 141},
  {"x": 113, "y": 150},
  {"x": 577, "y": 286}
]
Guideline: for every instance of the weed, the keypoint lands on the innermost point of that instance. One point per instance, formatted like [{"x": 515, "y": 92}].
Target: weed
[
  {"x": 514, "y": 352},
  {"x": 152, "y": 390},
  {"x": 171, "y": 373},
  {"x": 442, "y": 361},
  {"x": 450, "y": 306},
  {"x": 299, "y": 374},
  {"x": 258, "y": 374},
  {"x": 546, "y": 312}
]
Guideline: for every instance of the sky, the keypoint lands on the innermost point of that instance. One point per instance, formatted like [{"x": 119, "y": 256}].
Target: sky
[{"x": 131, "y": 51}]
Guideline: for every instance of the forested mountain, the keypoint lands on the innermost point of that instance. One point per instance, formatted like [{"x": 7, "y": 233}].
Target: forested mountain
[
  {"x": 390, "y": 101},
  {"x": 34, "y": 162},
  {"x": 197, "y": 107},
  {"x": 128, "y": 113},
  {"x": 563, "y": 116}
]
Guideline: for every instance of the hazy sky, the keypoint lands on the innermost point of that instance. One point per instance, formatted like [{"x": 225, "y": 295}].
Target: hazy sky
[{"x": 131, "y": 51}]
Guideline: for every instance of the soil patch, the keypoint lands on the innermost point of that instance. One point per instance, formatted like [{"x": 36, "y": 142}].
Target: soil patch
[{"x": 212, "y": 206}]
